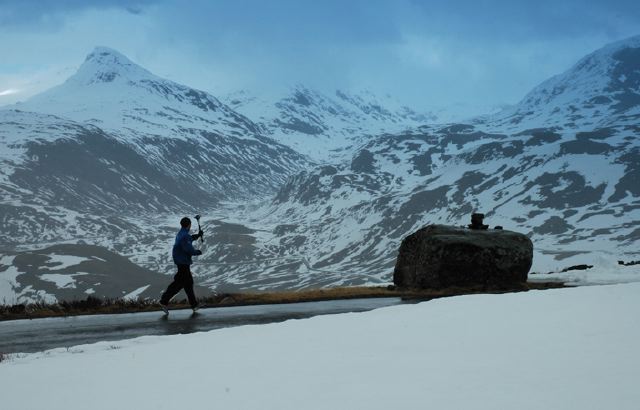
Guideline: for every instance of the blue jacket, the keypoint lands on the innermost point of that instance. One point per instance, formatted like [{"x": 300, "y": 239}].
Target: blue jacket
[{"x": 182, "y": 248}]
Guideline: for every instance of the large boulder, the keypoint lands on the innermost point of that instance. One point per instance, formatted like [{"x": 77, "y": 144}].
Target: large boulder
[{"x": 440, "y": 256}]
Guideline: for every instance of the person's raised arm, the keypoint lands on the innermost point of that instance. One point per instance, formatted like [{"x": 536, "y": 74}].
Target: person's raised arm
[{"x": 186, "y": 245}]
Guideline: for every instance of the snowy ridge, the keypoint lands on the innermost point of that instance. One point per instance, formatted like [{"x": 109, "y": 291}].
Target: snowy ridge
[
  {"x": 111, "y": 91},
  {"x": 180, "y": 132},
  {"x": 599, "y": 90},
  {"x": 573, "y": 194},
  {"x": 326, "y": 128},
  {"x": 19, "y": 128}
]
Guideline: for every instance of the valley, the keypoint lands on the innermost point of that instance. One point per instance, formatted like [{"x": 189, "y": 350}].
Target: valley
[{"x": 313, "y": 190}]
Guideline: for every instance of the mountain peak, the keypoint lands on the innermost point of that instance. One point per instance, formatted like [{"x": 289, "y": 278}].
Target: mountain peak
[
  {"x": 631, "y": 42},
  {"x": 600, "y": 85},
  {"x": 105, "y": 65},
  {"x": 101, "y": 53},
  {"x": 112, "y": 91}
]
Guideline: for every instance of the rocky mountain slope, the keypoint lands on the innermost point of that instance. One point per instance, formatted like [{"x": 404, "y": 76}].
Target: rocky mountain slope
[
  {"x": 95, "y": 158},
  {"x": 187, "y": 133},
  {"x": 600, "y": 90},
  {"x": 327, "y": 128},
  {"x": 72, "y": 272},
  {"x": 563, "y": 169},
  {"x": 561, "y": 166}
]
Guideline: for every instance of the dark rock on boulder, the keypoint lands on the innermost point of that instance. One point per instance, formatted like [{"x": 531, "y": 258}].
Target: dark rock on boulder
[
  {"x": 440, "y": 256},
  {"x": 476, "y": 222}
]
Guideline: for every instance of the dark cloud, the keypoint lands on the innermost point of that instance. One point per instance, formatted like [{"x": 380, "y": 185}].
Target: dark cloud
[
  {"x": 460, "y": 50},
  {"x": 517, "y": 20},
  {"x": 49, "y": 13},
  {"x": 433, "y": 51},
  {"x": 301, "y": 28},
  {"x": 284, "y": 22}
]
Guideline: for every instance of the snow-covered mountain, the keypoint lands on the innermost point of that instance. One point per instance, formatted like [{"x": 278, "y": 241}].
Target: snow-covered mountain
[
  {"x": 561, "y": 166},
  {"x": 111, "y": 91},
  {"x": 565, "y": 176},
  {"x": 129, "y": 119},
  {"x": 601, "y": 89},
  {"x": 94, "y": 158},
  {"x": 187, "y": 133},
  {"x": 326, "y": 127}
]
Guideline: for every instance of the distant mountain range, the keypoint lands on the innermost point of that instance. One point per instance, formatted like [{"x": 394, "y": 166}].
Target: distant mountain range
[
  {"x": 310, "y": 190},
  {"x": 327, "y": 128}
]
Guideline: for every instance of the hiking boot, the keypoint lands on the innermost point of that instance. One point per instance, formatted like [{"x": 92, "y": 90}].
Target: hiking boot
[{"x": 165, "y": 308}]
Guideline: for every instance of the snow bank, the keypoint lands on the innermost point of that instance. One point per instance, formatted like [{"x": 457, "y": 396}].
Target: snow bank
[
  {"x": 605, "y": 270},
  {"x": 558, "y": 349}
]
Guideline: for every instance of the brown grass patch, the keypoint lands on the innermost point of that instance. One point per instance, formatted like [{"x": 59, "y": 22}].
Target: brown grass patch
[{"x": 92, "y": 305}]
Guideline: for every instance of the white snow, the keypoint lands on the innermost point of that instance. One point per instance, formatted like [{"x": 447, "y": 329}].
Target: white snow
[
  {"x": 112, "y": 92},
  {"x": 342, "y": 120},
  {"x": 10, "y": 292},
  {"x": 605, "y": 270},
  {"x": 557, "y": 349},
  {"x": 61, "y": 281},
  {"x": 65, "y": 261},
  {"x": 135, "y": 293},
  {"x": 8, "y": 281}
]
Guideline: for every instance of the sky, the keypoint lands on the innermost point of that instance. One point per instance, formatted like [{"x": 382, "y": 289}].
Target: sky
[{"x": 425, "y": 54}]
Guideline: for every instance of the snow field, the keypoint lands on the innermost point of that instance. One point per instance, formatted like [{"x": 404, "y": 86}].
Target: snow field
[{"x": 557, "y": 349}]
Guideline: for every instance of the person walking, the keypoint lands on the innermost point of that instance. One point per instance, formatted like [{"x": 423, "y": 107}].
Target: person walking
[{"x": 182, "y": 252}]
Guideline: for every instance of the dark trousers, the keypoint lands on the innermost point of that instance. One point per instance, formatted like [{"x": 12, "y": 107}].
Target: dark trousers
[{"x": 181, "y": 280}]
